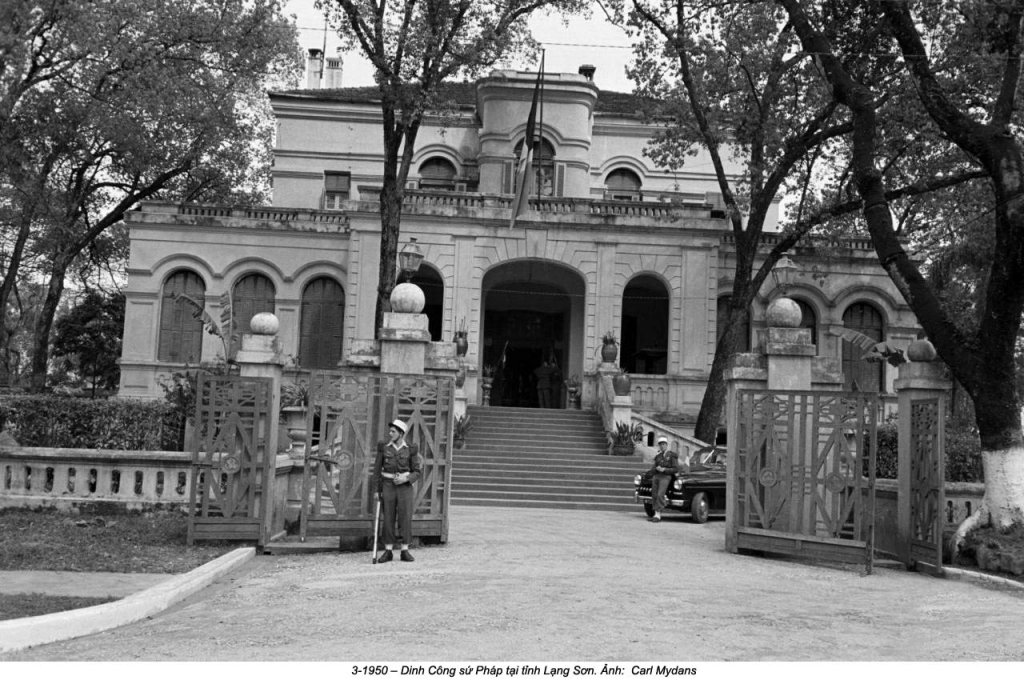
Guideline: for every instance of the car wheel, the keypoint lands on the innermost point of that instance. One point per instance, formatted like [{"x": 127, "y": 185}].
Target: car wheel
[
  {"x": 649, "y": 509},
  {"x": 699, "y": 507}
]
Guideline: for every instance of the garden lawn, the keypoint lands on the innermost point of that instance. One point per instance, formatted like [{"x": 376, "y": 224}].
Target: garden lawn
[{"x": 150, "y": 543}]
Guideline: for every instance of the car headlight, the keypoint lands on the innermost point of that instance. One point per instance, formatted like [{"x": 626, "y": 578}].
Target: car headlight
[
  {"x": 677, "y": 485},
  {"x": 636, "y": 480}
]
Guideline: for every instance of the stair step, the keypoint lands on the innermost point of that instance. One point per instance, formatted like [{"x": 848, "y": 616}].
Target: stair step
[{"x": 524, "y": 457}]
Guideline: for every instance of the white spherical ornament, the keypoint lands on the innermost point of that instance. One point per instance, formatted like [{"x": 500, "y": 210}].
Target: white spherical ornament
[
  {"x": 407, "y": 298},
  {"x": 264, "y": 323},
  {"x": 921, "y": 350},
  {"x": 783, "y": 313}
]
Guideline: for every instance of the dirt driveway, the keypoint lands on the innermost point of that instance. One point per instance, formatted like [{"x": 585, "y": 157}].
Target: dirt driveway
[{"x": 515, "y": 585}]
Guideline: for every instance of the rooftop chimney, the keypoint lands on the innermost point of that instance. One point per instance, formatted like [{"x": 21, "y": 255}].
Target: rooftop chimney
[
  {"x": 314, "y": 69},
  {"x": 332, "y": 72},
  {"x": 587, "y": 71}
]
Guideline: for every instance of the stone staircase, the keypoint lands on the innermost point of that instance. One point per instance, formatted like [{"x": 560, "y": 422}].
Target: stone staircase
[{"x": 541, "y": 458}]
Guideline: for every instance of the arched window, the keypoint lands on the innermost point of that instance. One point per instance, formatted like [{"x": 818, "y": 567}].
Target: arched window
[
  {"x": 808, "y": 319},
  {"x": 543, "y": 168},
  {"x": 622, "y": 185},
  {"x": 321, "y": 323},
  {"x": 723, "y": 318},
  {"x": 181, "y": 333},
  {"x": 432, "y": 285},
  {"x": 254, "y": 293},
  {"x": 858, "y": 374},
  {"x": 644, "y": 336},
  {"x": 437, "y": 173}
]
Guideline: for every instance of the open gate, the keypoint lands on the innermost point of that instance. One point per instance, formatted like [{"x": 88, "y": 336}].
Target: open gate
[
  {"x": 925, "y": 486},
  {"x": 348, "y": 414},
  {"x": 802, "y": 474},
  {"x": 232, "y": 466}
]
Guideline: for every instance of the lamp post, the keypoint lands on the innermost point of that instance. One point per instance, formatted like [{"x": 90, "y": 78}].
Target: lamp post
[
  {"x": 783, "y": 272},
  {"x": 410, "y": 258},
  {"x": 408, "y": 297},
  {"x": 783, "y": 312}
]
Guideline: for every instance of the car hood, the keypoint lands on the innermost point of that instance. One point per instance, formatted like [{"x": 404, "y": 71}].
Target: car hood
[{"x": 694, "y": 472}]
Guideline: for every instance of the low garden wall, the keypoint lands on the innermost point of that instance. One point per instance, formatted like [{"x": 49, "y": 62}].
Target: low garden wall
[{"x": 962, "y": 498}]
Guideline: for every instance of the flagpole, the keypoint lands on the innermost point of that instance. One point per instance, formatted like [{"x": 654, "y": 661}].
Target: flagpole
[{"x": 540, "y": 129}]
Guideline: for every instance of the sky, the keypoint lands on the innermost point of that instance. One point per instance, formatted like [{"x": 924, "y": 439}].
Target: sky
[{"x": 595, "y": 41}]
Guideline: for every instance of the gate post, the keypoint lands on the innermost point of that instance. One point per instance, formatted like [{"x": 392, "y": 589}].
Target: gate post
[
  {"x": 922, "y": 389},
  {"x": 258, "y": 357}
]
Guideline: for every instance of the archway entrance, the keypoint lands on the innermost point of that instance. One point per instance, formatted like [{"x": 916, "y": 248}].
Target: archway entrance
[{"x": 532, "y": 331}]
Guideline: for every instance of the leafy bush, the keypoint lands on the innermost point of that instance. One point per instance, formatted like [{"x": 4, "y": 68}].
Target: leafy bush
[
  {"x": 963, "y": 452},
  {"x": 67, "y": 422},
  {"x": 887, "y": 459}
]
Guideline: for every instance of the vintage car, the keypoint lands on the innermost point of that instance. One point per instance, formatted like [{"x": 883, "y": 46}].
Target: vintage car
[{"x": 698, "y": 488}]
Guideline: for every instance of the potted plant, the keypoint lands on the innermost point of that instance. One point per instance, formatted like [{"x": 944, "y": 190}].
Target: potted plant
[
  {"x": 572, "y": 390},
  {"x": 486, "y": 381},
  {"x": 609, "y": 347},
  {"x": 625, "y": 438},
  {"x": 462, "y": 426},
  {"x": 294, "y": 404}
]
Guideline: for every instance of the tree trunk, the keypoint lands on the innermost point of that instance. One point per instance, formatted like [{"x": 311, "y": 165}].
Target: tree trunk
[
  {"x": 44, "y": 324},
  {"x": 984, "y": 363}
]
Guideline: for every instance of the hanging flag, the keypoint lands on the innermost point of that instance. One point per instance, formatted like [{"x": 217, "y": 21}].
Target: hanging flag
[{"x": 523, "y": 174}]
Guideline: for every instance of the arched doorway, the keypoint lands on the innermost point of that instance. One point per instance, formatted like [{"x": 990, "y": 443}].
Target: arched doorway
[{"x": 532, "y": 316}]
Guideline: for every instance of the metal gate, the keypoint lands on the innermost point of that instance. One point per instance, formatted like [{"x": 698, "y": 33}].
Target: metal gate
[
  {"x": 349, "y": 413},
  {"x": 802, "y": 474},
  {"x": 232, "y": 466},
  {"x": 925, "y": 486}
]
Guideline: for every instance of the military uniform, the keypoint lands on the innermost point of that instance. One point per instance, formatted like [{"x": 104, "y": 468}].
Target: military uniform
[{"x": 397, "y": 499}]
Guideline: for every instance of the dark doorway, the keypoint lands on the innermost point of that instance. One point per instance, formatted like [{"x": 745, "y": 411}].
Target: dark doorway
[{"x": 521, "y": 342}]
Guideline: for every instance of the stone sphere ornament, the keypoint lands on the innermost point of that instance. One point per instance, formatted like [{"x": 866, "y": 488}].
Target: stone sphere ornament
[
  {"x": 264, "y": 323},
  {"x": 921, "y": 350},
  {"x": 783, "y": 313},
  {"x": 407, "y": 298}
]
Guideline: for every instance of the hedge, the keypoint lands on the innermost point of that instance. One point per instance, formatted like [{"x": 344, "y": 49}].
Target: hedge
[
  {"x": 963, "y": 452},
  {"x": 70, "y": 422}
]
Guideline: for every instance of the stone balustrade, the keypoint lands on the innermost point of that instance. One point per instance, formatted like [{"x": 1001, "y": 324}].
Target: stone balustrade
[{"x": 66, "y": 478}]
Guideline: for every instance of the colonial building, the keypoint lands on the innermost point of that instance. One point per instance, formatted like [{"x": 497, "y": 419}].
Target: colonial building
[{"x": 614, "y": 244}]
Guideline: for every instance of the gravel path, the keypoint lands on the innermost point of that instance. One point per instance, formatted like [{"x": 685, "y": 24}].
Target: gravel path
[{"x": 527, "y": 585}]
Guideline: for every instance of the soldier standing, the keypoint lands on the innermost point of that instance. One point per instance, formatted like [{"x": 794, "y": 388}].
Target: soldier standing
[{"x": 397, "y": 468}]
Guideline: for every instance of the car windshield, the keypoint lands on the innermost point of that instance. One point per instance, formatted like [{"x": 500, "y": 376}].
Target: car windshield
[{"x": 712, "y": 457}]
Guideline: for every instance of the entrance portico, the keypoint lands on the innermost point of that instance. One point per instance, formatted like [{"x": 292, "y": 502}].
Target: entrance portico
[{"x": 532, "y": 313}]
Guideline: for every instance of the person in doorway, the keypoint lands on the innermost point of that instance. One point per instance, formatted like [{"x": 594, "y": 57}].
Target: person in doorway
[
  {"x": 543, "y": 374},
  {"x": 398, "y": 466},
  {"x": 666, "y": 464}
]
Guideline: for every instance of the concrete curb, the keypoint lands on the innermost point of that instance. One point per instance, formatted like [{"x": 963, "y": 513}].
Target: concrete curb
[
  {"x": 969, "y": 576},
  {"x": 37, "y": 630}
]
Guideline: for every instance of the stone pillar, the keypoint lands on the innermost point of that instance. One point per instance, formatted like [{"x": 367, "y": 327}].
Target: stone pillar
[
  {"x": 922, "y": 378},
  {"x": 403, "y": 343},
  {"x": 788, "y": 348},
  {"x": 259, "y": 357}
]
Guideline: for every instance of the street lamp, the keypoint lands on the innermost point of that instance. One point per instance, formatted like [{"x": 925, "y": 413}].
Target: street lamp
[
  {"x": 783, "y": 312},
  {"x": 783, "y": 272},
  {"x": 407, "y": 297},
  {"x": 410, "y": 258}
]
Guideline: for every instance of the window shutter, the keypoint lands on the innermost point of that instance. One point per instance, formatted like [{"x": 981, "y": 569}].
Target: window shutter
[
  {"x": 321, "y": 324},
  {"x": 337, "y": 182},
  {"x": 559, "y": 179},
  {"x": 508, "y": 177}
]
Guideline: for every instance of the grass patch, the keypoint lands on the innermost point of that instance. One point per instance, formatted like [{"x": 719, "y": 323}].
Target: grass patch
[
  {"x": 148, "y": 543},
  {"x": 34, "y": 604}
]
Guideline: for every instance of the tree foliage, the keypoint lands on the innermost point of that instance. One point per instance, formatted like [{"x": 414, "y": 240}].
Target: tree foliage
[
  {"x": 967, "y": 83},
  {"x": 105, "y": 104},
  {"x": 414, "y": 47},
  {"x": 87, "y": 341}
]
